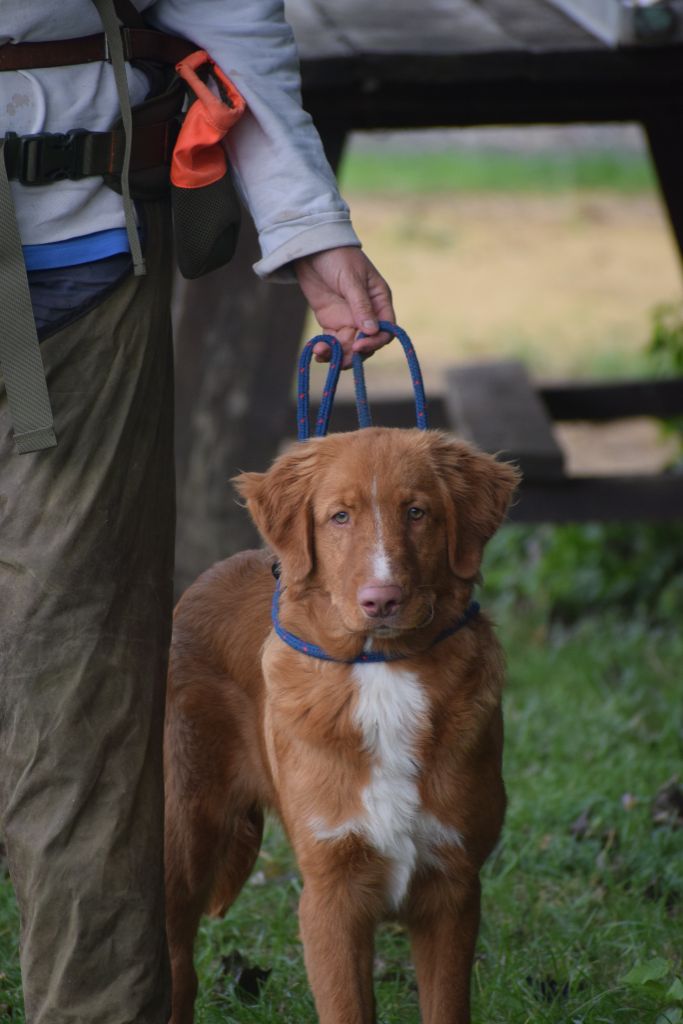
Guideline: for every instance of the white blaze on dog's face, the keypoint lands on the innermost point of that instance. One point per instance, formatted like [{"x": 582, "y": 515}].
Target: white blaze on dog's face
[{"x": 381, "y": 520}]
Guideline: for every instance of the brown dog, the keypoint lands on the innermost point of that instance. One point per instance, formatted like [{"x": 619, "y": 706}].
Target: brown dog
[{"x": 387, "y": 776}]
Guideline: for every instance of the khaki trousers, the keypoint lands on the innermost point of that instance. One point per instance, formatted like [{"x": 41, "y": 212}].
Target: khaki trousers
[{"x": 86, "y": 563}]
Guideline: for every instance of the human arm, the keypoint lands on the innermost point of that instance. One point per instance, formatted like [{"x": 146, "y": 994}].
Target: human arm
[
  {"x": 280, "y": 169},
  {"x": 275, "y": 152}
]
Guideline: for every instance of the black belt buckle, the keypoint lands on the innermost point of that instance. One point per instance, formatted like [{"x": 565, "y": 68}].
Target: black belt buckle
[{"x": 44, "y": 158}]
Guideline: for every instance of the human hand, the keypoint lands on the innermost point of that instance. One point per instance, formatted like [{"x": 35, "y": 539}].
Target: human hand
[{"x": 347, "y": 294}]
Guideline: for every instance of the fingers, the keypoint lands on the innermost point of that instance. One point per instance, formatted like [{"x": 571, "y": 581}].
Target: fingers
[
  {"x": 369, "y": 297},
  {"x": 346, "y": 337},
  {"x": 379, "y": 294},
  {"x": 361, "y": 306},
  {"x": 351, "y": 344},
  {"x": 366, "y": 346}
]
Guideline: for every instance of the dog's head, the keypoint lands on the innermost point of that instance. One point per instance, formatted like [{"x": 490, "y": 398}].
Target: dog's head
[{"x": 384, "y": 521}]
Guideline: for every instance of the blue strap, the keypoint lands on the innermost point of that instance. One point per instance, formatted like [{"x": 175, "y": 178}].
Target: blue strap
[
  {"x": 362, "y": 407},
  {"x": 303, "y": 383},
  {"x": 365, "y": 657}
]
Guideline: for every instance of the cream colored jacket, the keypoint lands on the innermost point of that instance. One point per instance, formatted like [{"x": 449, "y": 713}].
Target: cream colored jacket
[{"x": 277, "y": 158}]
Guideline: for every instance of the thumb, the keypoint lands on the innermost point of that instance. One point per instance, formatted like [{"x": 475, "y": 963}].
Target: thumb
[{"x": 361, "y": 307}]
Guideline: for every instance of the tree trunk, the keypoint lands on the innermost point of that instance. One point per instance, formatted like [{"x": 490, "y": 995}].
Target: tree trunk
[{"x": 236, "y": 344}]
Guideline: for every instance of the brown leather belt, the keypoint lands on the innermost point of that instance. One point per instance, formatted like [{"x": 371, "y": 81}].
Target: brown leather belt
[{"x": 138, "y": 44}]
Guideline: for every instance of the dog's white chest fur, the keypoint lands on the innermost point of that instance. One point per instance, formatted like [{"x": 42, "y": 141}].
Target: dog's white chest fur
[{"x": 391, "y": 711}]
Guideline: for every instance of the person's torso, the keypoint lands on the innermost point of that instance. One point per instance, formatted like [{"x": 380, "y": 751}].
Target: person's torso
[{"x": 59, "y": 100}]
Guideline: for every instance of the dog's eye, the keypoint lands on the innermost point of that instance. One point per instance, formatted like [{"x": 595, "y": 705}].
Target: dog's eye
[
  {"x": 341, "y": 517},
  {"x": 415, "y": 513}
]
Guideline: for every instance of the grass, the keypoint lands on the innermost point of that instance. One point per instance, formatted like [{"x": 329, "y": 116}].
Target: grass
[
  {"x": 584, "y": 886},
  {"x": 473, "y": 171}
]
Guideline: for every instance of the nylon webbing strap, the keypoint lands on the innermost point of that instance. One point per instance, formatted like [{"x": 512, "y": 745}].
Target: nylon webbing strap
[
  {"x": 22, "y": 363},
  {"x": 112, "y": 30}
]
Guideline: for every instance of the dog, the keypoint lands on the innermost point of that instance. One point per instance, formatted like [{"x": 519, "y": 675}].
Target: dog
[{"x": 385, "y": 773}]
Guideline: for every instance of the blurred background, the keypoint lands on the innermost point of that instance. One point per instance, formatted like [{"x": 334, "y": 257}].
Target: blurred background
[{"x": 545, "y": 244}]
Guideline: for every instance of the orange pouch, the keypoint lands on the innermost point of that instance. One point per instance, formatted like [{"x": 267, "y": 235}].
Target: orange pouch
[{"x": 206, "y": 210}]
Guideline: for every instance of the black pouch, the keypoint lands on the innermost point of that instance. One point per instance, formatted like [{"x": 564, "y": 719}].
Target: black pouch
[
  {"x": 206, "y": 222},
  {"x": 206, "y": 209}
]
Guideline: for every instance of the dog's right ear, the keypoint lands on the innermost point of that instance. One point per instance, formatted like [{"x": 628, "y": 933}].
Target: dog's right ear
[{"x": 280, "y": 503}]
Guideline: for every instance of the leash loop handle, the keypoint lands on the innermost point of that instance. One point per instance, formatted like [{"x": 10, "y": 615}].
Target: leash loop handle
[
  {"x": 303, "y": 382},
  {"x": 362, "y": 407}
]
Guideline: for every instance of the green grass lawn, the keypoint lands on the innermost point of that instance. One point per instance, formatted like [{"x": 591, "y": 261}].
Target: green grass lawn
[
  {"x": 476, "y": 171},
  {"x": 586, "y": 888}
]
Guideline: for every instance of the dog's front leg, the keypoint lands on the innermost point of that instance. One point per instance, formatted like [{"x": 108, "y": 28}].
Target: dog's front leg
[
  {"x": 443, "y": 940},
  {"x": 338, "y": 938}
]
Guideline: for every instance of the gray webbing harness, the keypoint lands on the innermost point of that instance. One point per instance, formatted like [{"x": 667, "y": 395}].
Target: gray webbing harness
[
  {"x": 22, "y": 363},
  {"x": 20, "y": 356}
]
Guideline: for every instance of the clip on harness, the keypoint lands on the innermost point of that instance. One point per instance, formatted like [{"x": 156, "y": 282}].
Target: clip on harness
[{"x": 364, "y": 420}]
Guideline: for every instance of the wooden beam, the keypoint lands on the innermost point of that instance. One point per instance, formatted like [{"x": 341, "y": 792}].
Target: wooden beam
[
  {"x": 587, "y": 499},
  {"x": 613, "y": 400},
  {"x": 370, "y": 102},
  {"x": 568, "y": 401},
  {"x": 232, "y": 392},
  {"x": 387, "y": 412},
  {"x": 539, "y": 25},
  {"x": 329, "y": 28},
  {"x": 664, "y": 128},
  {"x": 496, "y": 406}
]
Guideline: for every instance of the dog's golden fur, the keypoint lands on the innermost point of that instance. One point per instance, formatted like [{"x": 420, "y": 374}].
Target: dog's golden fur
[{"x": 388, "y": 781}]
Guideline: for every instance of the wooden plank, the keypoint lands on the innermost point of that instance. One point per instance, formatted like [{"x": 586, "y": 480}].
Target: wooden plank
[
  {"x": 496, "y": 406},
  {"x": 567, "y": 401},
  {"x": 613, "y": 400},
  {"x": 664, "y": 129},
  {"x": 328, "y": 28},
  {"x": 392, "y": 27},
  {"x": 377, "y": 93},
  {"x": 598, "y": 499},
  {"x": 316, "y": 30},
  {"x": 386, "y": 412},
  {"x": 538, "y": 25}
]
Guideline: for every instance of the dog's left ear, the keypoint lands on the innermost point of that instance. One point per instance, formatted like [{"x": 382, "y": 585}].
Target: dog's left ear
[
  {"x": 279, "y": 502},
  {"x": 477, "y": 491}
]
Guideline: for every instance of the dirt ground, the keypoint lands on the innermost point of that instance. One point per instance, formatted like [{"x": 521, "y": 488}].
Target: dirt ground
[{"x": 567, "y": 283}]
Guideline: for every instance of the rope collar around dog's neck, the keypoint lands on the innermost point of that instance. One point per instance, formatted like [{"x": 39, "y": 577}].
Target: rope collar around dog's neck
[{"x": 365, "y": 657}]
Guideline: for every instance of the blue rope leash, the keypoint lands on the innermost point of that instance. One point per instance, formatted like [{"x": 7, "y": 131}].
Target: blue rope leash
[
  {"x": 303, "y": 386},
  {"x": 322, "y": 422},
  {"x": 365, "y": 657},
  {"x": 362, "y": 407}
]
